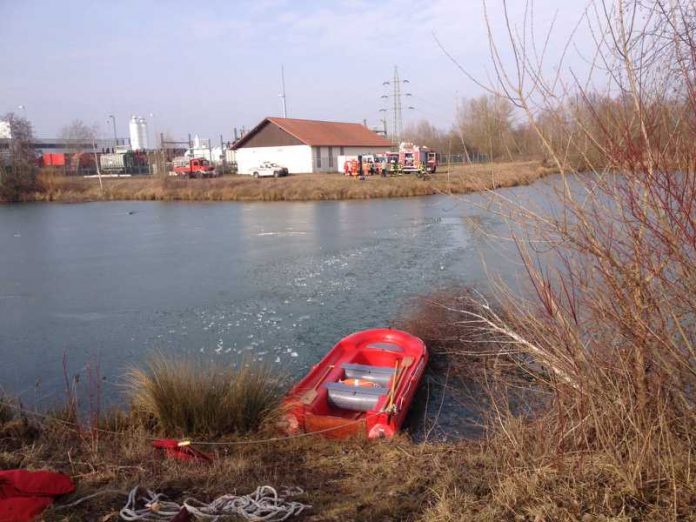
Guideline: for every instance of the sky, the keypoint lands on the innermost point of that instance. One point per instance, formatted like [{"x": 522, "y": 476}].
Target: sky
[{"x": 205, "y": 67}]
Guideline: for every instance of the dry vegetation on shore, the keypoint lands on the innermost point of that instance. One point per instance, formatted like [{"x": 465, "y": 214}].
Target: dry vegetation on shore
[
  {"x": 545, "y": 465},
  {"x": 353, "y": 480},
  {"x": 299, "y": 187},
  {"x": 524, "y": 468},
  {"x": 342, "y": 480}
]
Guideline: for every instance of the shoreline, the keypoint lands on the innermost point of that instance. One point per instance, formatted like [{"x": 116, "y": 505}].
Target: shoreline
[{"x": 298, "y": 187}]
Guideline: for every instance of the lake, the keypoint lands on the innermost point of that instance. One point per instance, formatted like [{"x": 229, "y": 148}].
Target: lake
[{"x": 109, "y": 283}]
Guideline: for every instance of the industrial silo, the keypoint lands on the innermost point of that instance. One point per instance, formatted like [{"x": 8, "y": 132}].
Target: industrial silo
[
  {"x": 137, "y": 128},
  {"x": 133, "y": 132},
  {"x": 142, "y": 128}
]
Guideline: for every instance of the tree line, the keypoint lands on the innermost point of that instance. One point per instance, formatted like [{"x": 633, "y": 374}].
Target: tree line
[
  {"x": 485, "y": 128},
  {"x": 588, "y": 131}
]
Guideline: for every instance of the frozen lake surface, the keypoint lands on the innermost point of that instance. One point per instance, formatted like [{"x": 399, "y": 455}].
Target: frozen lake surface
[{"x": 110, "y": 283}]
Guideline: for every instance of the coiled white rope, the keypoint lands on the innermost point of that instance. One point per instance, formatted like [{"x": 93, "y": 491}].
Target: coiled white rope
[
  {"x": 153, "y": 507},
  {"x": 263, "y": 505}
]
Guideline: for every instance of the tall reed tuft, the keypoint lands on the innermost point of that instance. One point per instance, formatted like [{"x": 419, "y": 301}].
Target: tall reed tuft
[{"x": 184, "y": 397}]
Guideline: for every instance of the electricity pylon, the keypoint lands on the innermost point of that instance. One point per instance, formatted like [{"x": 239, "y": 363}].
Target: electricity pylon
[{"x": 396, "y": 83}]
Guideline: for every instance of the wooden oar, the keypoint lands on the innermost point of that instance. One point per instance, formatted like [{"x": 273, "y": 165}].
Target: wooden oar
[
  {"x": 393, "y": 384},
  {"x": 398, "y": 373},
  {"x": 311, "y": 394}
]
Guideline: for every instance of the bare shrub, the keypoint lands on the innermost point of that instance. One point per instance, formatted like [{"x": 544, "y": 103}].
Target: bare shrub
[
  {"x": 611, "y": 318},
  {"x": 17, "y": 171}
]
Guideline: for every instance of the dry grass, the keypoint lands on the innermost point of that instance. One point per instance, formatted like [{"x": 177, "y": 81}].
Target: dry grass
[
  {"x": 187, "y": 398},
  {"x": 350, "y": 480},
  {"x": 299, "y": 187},
  {"x": 610, "y": 315},
  {"x": 482, "y": 372}
]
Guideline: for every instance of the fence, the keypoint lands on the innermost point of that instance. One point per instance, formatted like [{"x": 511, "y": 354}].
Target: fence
[{"x": 462, "y": 159}]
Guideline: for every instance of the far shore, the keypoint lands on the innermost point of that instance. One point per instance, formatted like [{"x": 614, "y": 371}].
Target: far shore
[{"x": 297, "y": 187}]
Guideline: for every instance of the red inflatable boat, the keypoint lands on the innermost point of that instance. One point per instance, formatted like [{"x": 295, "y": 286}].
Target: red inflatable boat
[{"x": 363, "y": 386}]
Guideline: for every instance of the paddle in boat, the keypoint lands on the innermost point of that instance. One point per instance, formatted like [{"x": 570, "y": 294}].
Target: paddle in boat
[{"x": 363, "y": 386}]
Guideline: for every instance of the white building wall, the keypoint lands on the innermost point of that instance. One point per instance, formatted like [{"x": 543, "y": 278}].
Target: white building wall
[{"x": 296, "y": 158}]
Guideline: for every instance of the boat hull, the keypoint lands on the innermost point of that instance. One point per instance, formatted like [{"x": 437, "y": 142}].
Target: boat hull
[{"x": 386, "y": 364}]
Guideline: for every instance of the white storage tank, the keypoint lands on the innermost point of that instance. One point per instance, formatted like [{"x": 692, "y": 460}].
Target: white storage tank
[
  {"x": 144, "y": 141},
  {"x": 137, "y": 128},
  {"x": 133, "y": 132}
]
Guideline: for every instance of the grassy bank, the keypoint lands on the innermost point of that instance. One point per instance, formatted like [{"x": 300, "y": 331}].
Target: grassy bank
[
  {"x": 353, "y": 480},
  {"x": 298, "y": 187},
  {"x": 347, "y": 480}
]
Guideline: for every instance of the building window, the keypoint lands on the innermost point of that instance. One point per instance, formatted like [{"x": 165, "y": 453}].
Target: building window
[
  {"x": 318, "y": 160},
  {"x": 331, "y": 162},
  {"x": 342, "y": 152}
]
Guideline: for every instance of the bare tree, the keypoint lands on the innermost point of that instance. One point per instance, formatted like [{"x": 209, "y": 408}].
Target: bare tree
[
  {"x": 79, "y": 131},
  {"x": 486, "y": 124},
  {"x": 80, "y": 138},
  {"x": 424, "y": 133},
  {"x": 18, "y": 175}
]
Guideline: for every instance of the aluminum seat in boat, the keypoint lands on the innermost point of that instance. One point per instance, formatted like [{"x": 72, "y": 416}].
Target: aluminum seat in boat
[
  {"x": 378, "y": 374},
  {"x": 354, "y": 398}
]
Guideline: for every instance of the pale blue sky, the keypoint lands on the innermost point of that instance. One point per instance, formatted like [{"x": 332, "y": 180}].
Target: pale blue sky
[{"x": 208, "y": 66}]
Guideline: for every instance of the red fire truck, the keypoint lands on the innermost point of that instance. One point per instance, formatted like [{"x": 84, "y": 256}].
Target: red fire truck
[
  {"x": 192, "y": 167},
  {"x": 413, "y": 158}
]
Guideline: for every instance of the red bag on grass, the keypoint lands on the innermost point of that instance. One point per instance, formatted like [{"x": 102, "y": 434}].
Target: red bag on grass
[{"x": 26, "y": 494}]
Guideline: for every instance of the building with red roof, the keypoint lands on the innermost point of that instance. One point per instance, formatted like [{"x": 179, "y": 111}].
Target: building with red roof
[{"x": 305, "y": 145}]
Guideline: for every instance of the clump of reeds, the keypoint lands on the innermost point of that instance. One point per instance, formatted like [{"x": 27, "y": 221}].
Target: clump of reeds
[
  {"x": 15, "y": 427},
  {"x": 185, "y": 397}
]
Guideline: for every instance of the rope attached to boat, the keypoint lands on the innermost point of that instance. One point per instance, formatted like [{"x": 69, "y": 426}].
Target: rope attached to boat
[
  {"x": 77, "y": 428},
  {"x": 263, "y": 505}
]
